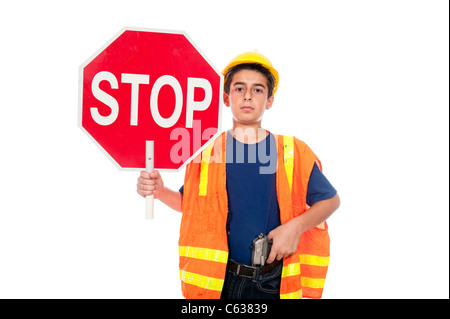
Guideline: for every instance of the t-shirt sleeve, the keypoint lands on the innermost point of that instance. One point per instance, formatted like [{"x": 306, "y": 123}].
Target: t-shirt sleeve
[
  {"x": 181, "y": 190},
  {"x": 319, "y": 188}
]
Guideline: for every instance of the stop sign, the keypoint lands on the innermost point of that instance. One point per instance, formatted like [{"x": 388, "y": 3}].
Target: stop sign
[{"x": 150, "y": 85}]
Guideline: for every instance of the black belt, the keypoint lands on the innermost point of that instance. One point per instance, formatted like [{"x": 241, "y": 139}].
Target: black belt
[{"x": 250, "y": 271}]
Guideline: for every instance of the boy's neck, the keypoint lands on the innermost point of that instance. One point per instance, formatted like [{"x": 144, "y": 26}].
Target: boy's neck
[{"x": 248, "y": 134}]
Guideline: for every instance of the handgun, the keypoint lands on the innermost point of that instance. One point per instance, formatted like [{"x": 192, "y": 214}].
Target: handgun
[{"x": 260, "y": 250}]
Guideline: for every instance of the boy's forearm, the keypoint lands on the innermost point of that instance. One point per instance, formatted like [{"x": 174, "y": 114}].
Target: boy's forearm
[
  {"x": 286, "y": 237},
  {"x": 173, "y": 199},
  {"x": 317, "y": 213}
]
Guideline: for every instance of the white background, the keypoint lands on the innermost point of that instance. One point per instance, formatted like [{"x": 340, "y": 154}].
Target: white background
[{"x": 364, "y": 83}]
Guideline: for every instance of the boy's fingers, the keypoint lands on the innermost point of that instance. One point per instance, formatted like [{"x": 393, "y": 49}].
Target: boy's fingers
[
  {"x": 145, "y": 175},
  {"x": 146, "y": 185},
  {"x": 144, "y": 192},
  {"x": 155, "y": 174},
  {"x": 146, "y": 181},
  {"x": 272, "y": 254},
  {"x": 271, "y": 257},
  {"x": 151, "y": 175}
]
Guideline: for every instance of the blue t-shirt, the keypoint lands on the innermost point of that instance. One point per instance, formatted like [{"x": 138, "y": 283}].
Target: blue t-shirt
[{"x": 252, "y": 196}]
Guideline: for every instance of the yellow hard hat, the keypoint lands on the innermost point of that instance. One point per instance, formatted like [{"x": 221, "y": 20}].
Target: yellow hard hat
[{"x": 254, "y": 57}]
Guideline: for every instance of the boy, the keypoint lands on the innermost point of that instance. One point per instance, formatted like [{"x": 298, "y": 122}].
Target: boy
[{"x": 248, "y": 182}]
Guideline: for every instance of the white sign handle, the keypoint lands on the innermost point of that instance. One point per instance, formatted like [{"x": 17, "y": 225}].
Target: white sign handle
[{"x": 149, "y": 167}]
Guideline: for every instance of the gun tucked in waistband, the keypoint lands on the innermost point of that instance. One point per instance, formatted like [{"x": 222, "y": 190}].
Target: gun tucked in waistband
[{"x": 260, "y": 250}]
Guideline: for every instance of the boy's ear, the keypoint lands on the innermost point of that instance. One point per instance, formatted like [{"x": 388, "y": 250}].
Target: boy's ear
[
  {"x": 270, "y": 102},
  {"x": 226, "y": 99}
]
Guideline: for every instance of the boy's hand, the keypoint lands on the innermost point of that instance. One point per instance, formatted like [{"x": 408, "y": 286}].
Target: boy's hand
[
  {"x": 285, "y": 241},
  {"x": 150, "y": 184},
  {"x": 286, "y": 237}
]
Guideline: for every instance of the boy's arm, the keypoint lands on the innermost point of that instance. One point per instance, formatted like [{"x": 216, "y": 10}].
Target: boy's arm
[
  {"x": 286, "y": 237},
  {"x": 152, "y": 183}
]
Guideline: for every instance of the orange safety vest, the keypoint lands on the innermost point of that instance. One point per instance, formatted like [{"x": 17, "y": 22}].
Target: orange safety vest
[{"x": 203, "y": 247}]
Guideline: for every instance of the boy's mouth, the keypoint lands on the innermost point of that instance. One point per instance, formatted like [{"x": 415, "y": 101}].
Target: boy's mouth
[{"x": 246, "y": 108}]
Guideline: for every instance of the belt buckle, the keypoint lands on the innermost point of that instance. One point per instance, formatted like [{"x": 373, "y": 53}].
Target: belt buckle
[{"x": 253, "y": 276}]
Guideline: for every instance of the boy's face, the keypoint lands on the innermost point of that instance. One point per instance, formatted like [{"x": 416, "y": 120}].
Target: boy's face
[{"x": 248, "y": 97}]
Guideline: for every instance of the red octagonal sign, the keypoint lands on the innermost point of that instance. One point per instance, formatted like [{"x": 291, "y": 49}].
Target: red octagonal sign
[{"x": 150, "y": 85}]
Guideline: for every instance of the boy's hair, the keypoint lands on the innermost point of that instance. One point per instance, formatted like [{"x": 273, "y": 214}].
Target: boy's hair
[{"x": 254, "y": 67}]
